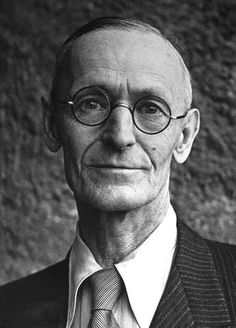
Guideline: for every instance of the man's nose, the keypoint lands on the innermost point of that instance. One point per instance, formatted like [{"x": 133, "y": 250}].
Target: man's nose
[{"x": 119, "y": 128}]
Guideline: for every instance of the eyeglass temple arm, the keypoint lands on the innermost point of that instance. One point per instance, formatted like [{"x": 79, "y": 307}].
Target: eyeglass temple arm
[
  {"x": 177, "y": 117},
  {"x": 65, "y": 102}
]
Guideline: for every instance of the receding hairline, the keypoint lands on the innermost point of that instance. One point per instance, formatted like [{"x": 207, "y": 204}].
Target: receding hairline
[
  {"x": 114, "y": 23},
  {"x": 107, "y": 23}
]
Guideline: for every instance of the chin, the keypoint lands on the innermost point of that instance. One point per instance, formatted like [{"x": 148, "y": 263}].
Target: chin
[{"x": 113, "y": 199}]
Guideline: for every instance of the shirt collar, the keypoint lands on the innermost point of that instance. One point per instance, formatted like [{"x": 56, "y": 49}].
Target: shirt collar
[
  {"x": 144, "y": 271},
  {"x": 82, "y": 265}
]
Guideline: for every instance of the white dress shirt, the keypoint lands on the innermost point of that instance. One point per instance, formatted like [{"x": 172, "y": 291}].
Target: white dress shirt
[{"x": 144, "y": 272}]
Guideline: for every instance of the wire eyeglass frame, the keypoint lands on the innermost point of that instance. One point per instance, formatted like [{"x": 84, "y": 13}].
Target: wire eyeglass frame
[{"x": 71, "y": 102}]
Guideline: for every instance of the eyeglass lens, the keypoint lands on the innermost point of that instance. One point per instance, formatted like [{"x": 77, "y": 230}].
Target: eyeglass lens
[{"x": 92, "y": 106}]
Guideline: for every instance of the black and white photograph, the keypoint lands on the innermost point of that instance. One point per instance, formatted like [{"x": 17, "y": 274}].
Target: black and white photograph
[{"x": 118, "y": 164}]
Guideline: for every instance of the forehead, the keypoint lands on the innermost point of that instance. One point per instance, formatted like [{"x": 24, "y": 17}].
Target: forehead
[{"x": 135, "y": 58}]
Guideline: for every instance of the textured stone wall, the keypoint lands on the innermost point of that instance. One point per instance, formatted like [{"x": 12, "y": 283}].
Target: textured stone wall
[{"x": 38, "y": 213}]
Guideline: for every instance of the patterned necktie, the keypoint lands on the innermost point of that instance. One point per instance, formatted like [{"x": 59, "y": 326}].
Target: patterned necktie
[{"x": 106, "y": 286}]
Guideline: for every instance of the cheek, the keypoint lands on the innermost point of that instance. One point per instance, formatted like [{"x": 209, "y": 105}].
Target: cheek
[
  {"x": 73, "y": 137},
  {"x": 74, "y": 144},
  {"x": 160, "y": 152},
  {"x": 72, "y": 166}
]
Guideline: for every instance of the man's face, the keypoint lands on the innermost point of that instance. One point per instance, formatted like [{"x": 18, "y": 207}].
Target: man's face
[{"x": 114, "y": 166}]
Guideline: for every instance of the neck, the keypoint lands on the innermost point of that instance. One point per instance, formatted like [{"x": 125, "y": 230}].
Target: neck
[{"x": 111, "y": 236}]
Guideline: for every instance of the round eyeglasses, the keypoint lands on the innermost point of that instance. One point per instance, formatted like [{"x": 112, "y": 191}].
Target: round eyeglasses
[{"x": 91, "y": 106}]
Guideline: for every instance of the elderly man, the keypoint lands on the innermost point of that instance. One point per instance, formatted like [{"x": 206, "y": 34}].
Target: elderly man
[{"x": 120, "y": 108}]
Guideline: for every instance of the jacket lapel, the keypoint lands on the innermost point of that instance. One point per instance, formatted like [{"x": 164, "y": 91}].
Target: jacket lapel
[
  {"x": 173, "y": 309},
  {"x": 193, "y": 296}
]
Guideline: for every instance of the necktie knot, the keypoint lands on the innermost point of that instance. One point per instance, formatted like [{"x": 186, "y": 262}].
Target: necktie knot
[{"x": 107, "y": 286}]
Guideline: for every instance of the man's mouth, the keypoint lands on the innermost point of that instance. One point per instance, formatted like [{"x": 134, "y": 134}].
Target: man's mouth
[
  {"x": 109, "y": 166},
  {"x": 117, "y": 167}
]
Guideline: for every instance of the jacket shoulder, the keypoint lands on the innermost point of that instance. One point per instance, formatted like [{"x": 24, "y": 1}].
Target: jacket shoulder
[
  {"x": 221, "y": 252},
  {"x": 210, "y": 264},
  {"x": 41, "y": 295},
  {"x": 224, "y": 255}
]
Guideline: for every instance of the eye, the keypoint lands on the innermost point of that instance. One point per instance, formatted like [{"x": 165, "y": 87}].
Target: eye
[
  {"x": 90, "y": 104},
  {"x": 154, "y": 107},
  {"x": 151, "y": 114},
  {"x": 149, "y": 108}
]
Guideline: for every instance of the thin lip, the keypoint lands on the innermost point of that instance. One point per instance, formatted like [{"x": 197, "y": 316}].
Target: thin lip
[{"x": 118, "y": 167}]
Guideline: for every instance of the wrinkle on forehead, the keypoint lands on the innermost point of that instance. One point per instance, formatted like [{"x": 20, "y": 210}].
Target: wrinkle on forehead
[
  {"x": 120, "y": 83},
  {"x": 122, "y": 55}
]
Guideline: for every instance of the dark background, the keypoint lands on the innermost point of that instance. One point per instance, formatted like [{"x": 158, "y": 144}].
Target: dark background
[{"x": 37, "y": 209}]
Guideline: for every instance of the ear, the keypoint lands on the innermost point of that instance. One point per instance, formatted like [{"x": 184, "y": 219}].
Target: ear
[
  {"x": 189, "y": 132},
  {"x": 50, "y": 130}
]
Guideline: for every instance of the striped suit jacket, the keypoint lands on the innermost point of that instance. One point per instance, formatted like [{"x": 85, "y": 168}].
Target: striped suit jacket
[{"x": 200, "y": 292}]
